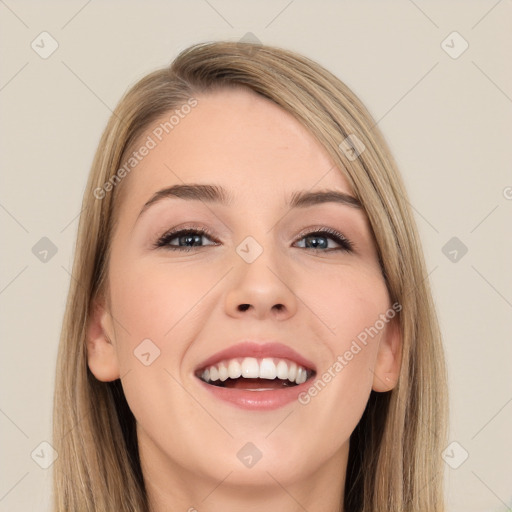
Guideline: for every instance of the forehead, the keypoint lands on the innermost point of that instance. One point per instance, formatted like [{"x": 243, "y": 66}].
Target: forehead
[{"x": 237, "y": 139}]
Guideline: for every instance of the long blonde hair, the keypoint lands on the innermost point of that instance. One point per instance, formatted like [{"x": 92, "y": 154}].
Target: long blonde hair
[{"x": 395, "y": 451}]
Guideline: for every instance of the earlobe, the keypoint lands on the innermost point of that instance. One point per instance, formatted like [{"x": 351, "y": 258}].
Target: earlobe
[
  {"x": 388, "y": 363},
  {"x": 101, "y": 352}
]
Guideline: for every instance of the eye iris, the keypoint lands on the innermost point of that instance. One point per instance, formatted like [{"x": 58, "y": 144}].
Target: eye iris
[
  {"x": 190, "y": 239},
  {"x": 314, "y": 244}
]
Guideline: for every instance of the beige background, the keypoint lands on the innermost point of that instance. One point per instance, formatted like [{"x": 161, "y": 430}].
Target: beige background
[{"x": 448, "y": 122}]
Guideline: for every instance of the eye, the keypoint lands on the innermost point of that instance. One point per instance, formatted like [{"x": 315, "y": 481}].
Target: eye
[
  {"x": 319, "y": 240},
  {"x": 187, "y": 239}
]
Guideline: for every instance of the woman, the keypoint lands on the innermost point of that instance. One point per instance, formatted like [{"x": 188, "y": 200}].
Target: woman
[{"x": 249, "y": 324}]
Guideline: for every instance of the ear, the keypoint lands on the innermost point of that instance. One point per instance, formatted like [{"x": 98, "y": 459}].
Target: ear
[
  {"x": 387, "y": 365},
  {"x": 101, "y": 353}
]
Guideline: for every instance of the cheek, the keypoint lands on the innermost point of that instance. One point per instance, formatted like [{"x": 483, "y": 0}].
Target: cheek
[
  {"x": 352, "y": 304},
  {"x": 154, "y": 301},
  {"x": 154, "y": 298},
  {"x": 348, "y": 302}
]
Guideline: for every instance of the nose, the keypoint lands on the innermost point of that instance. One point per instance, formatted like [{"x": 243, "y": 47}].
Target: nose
[{"x": 261, "y": 289}]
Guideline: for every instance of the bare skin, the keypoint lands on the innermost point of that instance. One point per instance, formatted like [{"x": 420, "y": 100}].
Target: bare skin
[{"x": 187, "y": 303}]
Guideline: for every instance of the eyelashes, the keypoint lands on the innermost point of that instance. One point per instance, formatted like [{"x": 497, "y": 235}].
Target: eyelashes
[
  {"x": 345, "y": 244},
  {"x": 188, "y": 234},
  {"x": 194, "y": 235}
]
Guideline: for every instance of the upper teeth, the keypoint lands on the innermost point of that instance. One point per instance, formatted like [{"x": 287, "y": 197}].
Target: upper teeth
[{"x": 252, "y": 368}]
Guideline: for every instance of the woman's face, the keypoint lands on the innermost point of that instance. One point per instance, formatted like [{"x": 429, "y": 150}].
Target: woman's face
[{"x": 267, "y": 283}]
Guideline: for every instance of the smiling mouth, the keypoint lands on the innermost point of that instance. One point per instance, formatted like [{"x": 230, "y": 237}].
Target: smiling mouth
[{"x": 255, "y": 374}]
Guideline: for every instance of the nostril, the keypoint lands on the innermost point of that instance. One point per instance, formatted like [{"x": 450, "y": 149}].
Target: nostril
[{"x": 243, "y": 307}]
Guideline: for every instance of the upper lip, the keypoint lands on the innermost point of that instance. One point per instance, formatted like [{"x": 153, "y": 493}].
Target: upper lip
[{"x": 258, "y": 350}]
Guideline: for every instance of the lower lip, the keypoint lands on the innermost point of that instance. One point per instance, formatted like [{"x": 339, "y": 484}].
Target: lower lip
[{"x": 257, "y": 400}]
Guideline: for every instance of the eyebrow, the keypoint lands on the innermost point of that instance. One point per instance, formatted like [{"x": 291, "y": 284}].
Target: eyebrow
[{"x": 217, "y": 194}]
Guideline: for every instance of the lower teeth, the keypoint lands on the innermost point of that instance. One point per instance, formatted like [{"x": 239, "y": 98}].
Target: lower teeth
[{"x": 264, "y": 383}]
